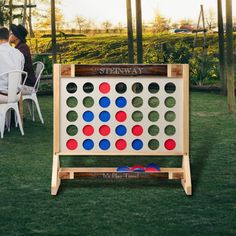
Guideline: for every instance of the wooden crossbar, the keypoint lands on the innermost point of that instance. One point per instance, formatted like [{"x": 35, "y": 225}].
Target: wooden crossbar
[{"x": 109, "y": 172}]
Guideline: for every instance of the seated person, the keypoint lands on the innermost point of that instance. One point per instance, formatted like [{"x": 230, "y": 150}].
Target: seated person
[
  {"x": 10, "y": 59},
  {"x": 18, "y": 37}
]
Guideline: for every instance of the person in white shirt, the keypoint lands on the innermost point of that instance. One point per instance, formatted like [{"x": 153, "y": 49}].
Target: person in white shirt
[{"x": 10, "y": 59}]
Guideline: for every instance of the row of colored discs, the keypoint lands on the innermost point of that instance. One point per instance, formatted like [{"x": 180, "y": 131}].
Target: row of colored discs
[
  {"x": 105, "y": 116},
  {"x": 120, "y": 144},
  {"x": 121, "y": 102},
  {"x": 120, "y": 116},
  {"x": 121, "y": 87},
  {"x": 105, "y": 130},
  {"x": 120, "y": 130}
]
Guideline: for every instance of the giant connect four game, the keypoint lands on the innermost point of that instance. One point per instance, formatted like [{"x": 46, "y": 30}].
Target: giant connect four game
[{"x": 130, "y": 110}]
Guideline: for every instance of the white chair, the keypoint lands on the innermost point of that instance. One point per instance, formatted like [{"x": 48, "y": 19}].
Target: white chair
[
  {"x": 14, "y": 93},
  {"x": 39, "y": 67}
]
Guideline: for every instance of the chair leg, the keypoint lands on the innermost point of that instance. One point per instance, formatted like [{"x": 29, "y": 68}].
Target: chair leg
[
  {"x": 38, "y": 109},
  {"x": 8, "y": 120},
  {"x": 2, "y": 123},
  {"x": 16, "y": 120},
  {"x": 19, "y": 120},
  {"x": 32, "y": 106},
  {"x": 29, "y": 102}
]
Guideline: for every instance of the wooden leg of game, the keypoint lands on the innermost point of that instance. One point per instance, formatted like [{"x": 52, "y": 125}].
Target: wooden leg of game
[
  {"x": 186, "y": 181},
  {"x": 56, "y": 181}
]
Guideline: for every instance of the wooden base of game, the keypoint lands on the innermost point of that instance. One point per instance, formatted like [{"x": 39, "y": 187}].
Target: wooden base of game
[{"x": 108, "y": 172}]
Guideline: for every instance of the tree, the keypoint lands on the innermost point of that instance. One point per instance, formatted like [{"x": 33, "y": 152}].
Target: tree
[
  {"x": 210, "y": 18},
  {"x": 130, "y": 32},
  {"x": 139, "y": 32},
  {"x": 44, "y": 22},
  {"x": 88, "y": 26},
  {"x": 2, "y": 12},
  {"x": 221, "y": 47},
  {"x": 230, "y": 57},
  {"x": 81, "y": 22},
  {"x": 160, "y": 23},
  {"x": 107, "y": 26},
  {"x": 119, "y": 27},
  {"x": 42, "y": 15}
]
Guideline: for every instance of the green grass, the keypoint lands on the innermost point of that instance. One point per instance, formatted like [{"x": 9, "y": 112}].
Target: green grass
[{"x": 121, "y": 207}]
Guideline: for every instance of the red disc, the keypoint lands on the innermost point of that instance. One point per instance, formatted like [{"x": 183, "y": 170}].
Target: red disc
[
  {"x": 121, "y": 116},
  {"x": 104, "y": 130},
  {"x": 137, "y": 130},
  {"x": 170, "y": 144},
  {"x": 72, "y": 144},
  {"x": 104, "y": 87},
  {"x": 121, "y": 144},
  {"x": 88, "y": 130}
]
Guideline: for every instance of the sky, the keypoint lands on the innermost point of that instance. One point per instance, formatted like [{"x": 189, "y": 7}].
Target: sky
[{"x": 115, "y": 10}]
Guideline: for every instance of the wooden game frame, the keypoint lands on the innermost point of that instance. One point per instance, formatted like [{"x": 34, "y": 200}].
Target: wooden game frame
[{"x": 71, "y": 71}]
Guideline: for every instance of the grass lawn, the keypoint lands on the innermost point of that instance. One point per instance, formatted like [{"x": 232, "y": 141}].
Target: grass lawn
[{"x": 121, "y": 207}]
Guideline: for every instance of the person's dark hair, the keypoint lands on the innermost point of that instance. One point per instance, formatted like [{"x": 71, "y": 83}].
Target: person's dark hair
[{"x": 4, "y": 33}]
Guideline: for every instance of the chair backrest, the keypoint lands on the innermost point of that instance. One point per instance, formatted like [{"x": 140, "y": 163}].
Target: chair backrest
[
  {"x": 39, "y": 67},
  {"x": 15, "y": 84}
]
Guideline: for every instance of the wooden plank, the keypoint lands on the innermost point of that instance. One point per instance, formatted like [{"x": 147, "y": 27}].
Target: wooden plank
[
  {"x": 186, "y": 181},
  {"x": 56, "y": 181},
  {"x": 56, "y": 108},
  {"x": 77, "y": 153},
  {"x": 66, "y": 70},
  {"x": 72, "y": 70},
  {"x": 55, "y": 184},
  {"x": 110, "y": 170},
  {"x": 102, "y": 172},
  {"x": 175, "y": 70},
  {"x": 186, "y": 109},
  {"x": 120, "y": 70},
  {"x": 133, "y": 175}
]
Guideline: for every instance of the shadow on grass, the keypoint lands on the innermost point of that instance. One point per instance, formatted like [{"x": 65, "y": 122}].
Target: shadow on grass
[{"x": 201, "y": 155}]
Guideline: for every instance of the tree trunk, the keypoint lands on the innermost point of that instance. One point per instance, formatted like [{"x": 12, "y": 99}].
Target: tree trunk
[
  {"x": 10, "y": 13},
  {"x": 139, "y": 34},
  {"x": 221, "y": 47},
  {"x": 230, "y": 57},
  {"x": 53, "y": 29},
  {"x": 31, "y": 31},
  {"x": 130, "y": 32},
  {"x": 24, "y": 13}
]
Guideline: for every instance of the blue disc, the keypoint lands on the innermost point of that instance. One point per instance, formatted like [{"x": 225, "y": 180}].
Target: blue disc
[
  {"x": 104, "y": 102},
  {"x": 104, "y": 144},
  {"x": 121, "y": 102},
  {"x": 121, "y": 130},
  {"x": 88, "y": 116},
  {"x": 137, "y": 144},
  {"x": 88, "y": 144},
  {"x": 104, "y": 116}
]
